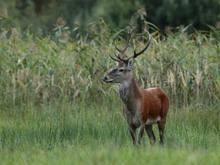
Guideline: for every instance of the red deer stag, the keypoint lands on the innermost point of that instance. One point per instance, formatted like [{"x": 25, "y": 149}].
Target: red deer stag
[{"x": 142, "y": 107}]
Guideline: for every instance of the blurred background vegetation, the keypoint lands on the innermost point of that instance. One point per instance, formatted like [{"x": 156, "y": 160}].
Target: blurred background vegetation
[
  {"x": 40, "y": 16},
  {"x": 58, "y": 50}
]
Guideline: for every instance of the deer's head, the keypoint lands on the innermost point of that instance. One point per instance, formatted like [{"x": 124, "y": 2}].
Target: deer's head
[{"x": 123, "y": 71}]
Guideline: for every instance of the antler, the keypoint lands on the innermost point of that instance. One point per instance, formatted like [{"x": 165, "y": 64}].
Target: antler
[
  {"x": 143, "y": 50},
  {"x": 127, "y": 43},
  {"x": 118, "y": 59},
  {"x": 121, "y": 52}
]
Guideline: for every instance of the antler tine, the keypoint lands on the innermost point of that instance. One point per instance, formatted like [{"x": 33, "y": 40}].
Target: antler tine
[
  {"x": 118, "y": 58},
  {"x": 121, "y": 51},
  {"x": 127, "y": 43},
  {"x": 147, "y": 45},
  {"x": 115, "y": 59}
]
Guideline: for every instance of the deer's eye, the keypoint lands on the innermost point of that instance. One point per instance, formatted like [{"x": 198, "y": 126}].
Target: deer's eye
[{"x": 121, "y": 70}]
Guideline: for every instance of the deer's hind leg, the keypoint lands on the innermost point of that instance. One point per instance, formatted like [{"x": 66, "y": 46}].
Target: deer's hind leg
[{"x": 161, "y": 126}]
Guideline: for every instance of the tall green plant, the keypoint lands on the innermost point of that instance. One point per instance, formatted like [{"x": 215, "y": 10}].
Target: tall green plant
[{"x": 43, "y": 70}]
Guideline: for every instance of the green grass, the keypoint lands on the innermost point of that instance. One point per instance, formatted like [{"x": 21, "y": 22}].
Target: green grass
[
  {"x": 109, "y": 155},
  {"x": 97, "y": 134}
]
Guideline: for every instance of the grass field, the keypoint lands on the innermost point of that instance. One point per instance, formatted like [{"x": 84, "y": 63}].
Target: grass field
[
  {"x": 97, "y": 134},
  {"x": 55, "y": 109}
]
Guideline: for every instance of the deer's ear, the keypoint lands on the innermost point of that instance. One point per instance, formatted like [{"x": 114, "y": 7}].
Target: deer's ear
[{"x": 130, "y": 62}]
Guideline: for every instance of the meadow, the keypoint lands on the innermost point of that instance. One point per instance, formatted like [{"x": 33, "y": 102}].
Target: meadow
[
  {"x": 55, "y": 109},
  {"x": 97, "y": 134}
]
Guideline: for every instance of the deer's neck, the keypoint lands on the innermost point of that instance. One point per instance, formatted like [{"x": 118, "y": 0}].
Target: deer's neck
[{"x": 129, "y": 91}]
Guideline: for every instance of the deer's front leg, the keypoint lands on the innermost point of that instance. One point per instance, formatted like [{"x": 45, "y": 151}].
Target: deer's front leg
[
  {"x": 140, "y": 133},
  {"x": 132, "y": 131},
  {"x": 150, "y": 134}
]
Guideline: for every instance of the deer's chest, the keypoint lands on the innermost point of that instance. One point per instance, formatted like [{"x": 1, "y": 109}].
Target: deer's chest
[
  {"x": 123, "y": 93},
  {"x": 132, "y": 116},
  {"x": 133, "y": 119},
  {"x": 131, "y": 105}
]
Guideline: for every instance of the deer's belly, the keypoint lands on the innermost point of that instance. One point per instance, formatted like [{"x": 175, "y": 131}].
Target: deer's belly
[{"x": 153, "y": 121}]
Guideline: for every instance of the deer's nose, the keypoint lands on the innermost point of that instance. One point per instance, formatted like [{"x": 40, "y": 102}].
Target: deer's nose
[{"x": 105, "y": 79}]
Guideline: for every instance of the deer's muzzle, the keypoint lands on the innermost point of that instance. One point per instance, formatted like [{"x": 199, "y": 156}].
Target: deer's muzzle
[{"x": 107, "y": 79}]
